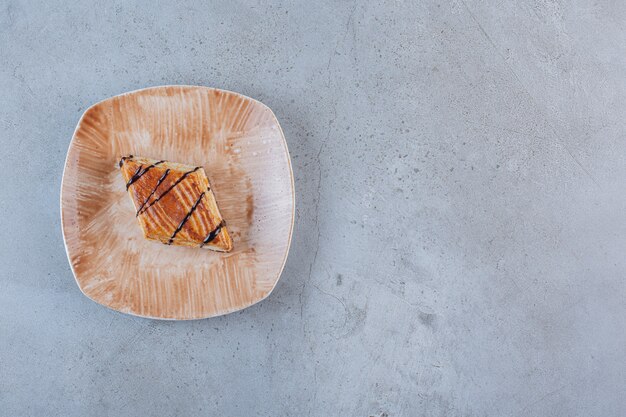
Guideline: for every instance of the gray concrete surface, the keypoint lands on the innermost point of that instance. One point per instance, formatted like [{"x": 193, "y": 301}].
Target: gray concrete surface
[{"x": 460, "y": 241}]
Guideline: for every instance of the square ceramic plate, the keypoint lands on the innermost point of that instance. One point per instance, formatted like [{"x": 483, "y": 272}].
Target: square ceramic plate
[{"x": 239, "y": 143}]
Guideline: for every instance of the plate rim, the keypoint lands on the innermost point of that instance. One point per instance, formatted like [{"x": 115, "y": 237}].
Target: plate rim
[{"x": 293, "y": 199}]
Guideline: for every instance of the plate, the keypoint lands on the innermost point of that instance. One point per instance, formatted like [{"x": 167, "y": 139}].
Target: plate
[{"x": 241, "y": 146}]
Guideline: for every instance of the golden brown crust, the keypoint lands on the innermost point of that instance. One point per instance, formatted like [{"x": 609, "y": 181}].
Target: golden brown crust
[{"x": 174, "y": 203}]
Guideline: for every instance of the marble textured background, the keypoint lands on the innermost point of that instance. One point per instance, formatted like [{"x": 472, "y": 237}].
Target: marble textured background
[{"x": 460, "y": 233}]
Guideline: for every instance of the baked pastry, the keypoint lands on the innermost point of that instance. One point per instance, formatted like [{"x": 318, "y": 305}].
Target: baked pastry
[{"x": 174, "y": 203}]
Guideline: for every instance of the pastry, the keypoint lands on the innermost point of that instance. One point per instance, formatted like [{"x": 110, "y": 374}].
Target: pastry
[{"x": 174, "y": 203}]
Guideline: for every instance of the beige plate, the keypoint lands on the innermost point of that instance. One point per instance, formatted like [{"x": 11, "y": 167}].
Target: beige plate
[{"x": 239, "y": 143}]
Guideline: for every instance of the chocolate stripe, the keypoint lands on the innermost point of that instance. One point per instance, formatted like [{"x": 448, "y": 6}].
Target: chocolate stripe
[
  {"x": 178, "y": 181},
  {"x": 182, "y": 223},
  {"x": 167, "y": 171},
  {"x": 213, "y": 234},
  {"x": 139, "y": 174},
  {"x": 124, "y": 158},
  {"x": 136, "y": 172}
]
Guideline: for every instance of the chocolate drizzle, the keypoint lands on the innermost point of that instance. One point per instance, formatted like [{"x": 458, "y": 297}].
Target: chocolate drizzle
[
  {"x": 178, "y": 181},
  {"x": 140, "y": 173},
  {"x": 135, "y": 174},
  {"x": 124, "y": 158},
  {"x": 187, "y": 216},
  {"x": 213, "y": 234},
  {"x": 167, "y": 171}
]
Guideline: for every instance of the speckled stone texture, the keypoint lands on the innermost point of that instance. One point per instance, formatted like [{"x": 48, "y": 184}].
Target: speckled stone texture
[{"x": 460, "y": 239}]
